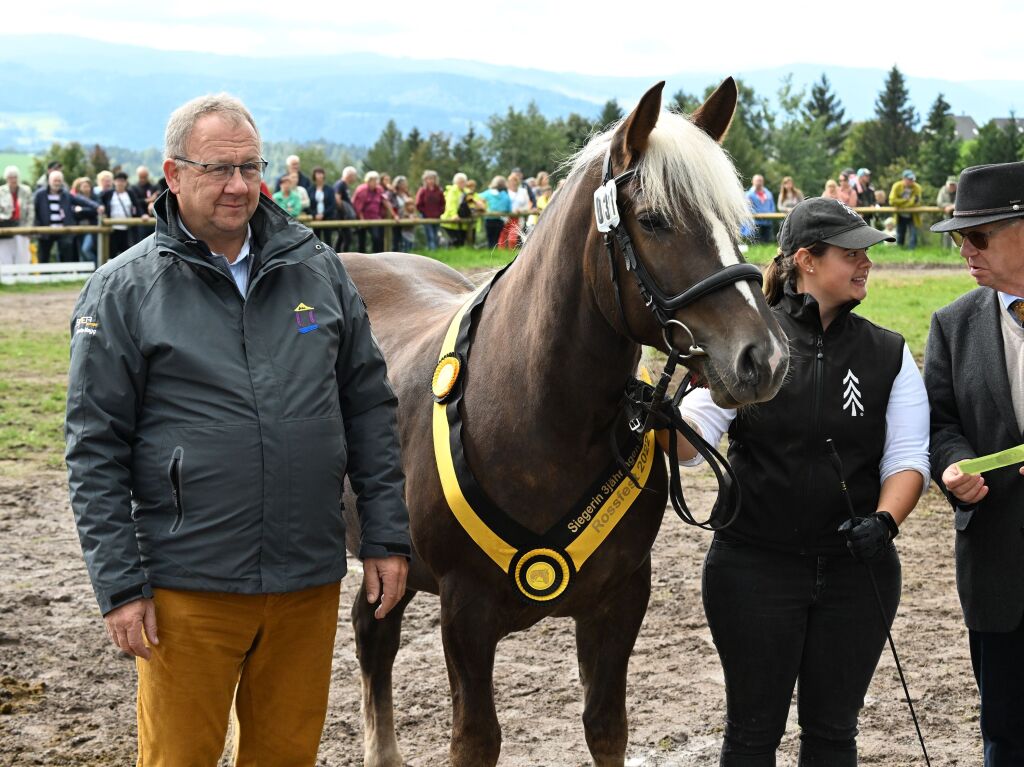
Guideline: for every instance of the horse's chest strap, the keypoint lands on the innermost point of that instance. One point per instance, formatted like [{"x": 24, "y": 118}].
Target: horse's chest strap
[{"x": 541, "y": 566}]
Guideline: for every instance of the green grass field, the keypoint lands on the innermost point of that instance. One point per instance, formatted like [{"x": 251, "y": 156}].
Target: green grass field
[
  {"x": 467, "y": 259},
  {"x": 905, "y": 302},
  {"x": 32, "y": 392},
  {"x": 884, "y": 254},
  {"x": 34, "y": 359}
]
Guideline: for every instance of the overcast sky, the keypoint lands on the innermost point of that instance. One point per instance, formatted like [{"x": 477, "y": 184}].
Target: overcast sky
[{"x": 955, "y": 41}]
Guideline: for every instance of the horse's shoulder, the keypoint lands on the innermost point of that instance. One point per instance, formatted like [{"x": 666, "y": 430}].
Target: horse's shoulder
[{"x": 409, "y": 298}]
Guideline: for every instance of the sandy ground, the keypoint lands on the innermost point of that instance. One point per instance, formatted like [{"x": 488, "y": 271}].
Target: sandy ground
[{"x": 67, "y": 696}]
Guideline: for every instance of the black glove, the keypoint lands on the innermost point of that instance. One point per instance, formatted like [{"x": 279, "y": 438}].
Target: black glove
[{"x": 867, "y": 536}]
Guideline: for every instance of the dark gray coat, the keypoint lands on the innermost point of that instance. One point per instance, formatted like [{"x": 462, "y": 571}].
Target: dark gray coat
[
  {"x": 208, "y": 437},
  {"x": 972, "y": 415}
]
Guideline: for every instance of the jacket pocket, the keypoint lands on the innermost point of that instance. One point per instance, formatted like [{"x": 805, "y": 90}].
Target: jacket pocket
[
  {"x": 962, "y": 518},
  {"x": 174, "y": 469},
  {"x": 316, "y": 468},
  {"x": 201, "y": 513}
]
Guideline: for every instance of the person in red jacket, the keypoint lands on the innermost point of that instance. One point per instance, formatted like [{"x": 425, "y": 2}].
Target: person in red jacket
[{"x": 430, "y": 204}]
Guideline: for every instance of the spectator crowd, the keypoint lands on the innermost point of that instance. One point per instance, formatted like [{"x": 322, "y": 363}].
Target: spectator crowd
[
  {"x": 500, "y": 213},
  {"x": 854, "y": 189}
]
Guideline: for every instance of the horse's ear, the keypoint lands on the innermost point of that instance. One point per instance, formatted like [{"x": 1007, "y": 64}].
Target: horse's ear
[
  {"x": 715, "y": 114},
  {"x": 635, "y": 130}
]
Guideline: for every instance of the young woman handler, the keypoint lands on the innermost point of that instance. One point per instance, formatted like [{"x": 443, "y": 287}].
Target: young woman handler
[{"x": 786, "y": 591}]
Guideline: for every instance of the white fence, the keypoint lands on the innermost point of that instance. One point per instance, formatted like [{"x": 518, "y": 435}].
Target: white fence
[{"x": 14, "y": 273}]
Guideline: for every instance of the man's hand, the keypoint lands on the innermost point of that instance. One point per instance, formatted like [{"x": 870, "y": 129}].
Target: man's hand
[
  {"x": 125, "y": 626},
  {"x": 384, "y": 580},
  {"x": 969, "y": 488}
]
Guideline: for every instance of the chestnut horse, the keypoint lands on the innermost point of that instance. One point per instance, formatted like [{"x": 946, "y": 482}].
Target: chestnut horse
[{"x": 552, "y": 349}]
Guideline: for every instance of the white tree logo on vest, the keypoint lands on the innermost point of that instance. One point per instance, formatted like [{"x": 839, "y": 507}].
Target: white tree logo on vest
[{"x": 851, "y": 397}]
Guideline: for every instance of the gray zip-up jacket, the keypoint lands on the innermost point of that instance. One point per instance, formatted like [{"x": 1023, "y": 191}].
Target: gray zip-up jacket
[{"x": 208, "y": 436}]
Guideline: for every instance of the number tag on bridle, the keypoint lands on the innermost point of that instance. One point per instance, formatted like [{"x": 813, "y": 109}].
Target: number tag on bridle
[{"x": 606, "y": 209}]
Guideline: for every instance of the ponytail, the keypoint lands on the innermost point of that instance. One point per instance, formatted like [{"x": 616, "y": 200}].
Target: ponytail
[
  {"x": 779, "y": 271},
  {"x": 782, "y": 270}
]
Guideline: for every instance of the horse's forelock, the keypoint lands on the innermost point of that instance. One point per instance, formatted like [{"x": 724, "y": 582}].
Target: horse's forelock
[{"x": 682, "y": 164}]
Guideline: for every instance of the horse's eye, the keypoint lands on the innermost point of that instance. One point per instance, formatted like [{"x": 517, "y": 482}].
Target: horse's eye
[{"x": 652, "y": 222}]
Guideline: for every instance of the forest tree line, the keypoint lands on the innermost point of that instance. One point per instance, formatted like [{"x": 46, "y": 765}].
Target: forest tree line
[{"x": 806, "y": 136}]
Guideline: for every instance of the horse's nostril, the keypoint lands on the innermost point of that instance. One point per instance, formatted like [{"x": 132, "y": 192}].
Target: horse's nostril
[{"x": 750, "y": 363}]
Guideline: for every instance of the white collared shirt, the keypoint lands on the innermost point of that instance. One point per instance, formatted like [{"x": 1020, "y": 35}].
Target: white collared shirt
[{"x": 240, "y": 268}]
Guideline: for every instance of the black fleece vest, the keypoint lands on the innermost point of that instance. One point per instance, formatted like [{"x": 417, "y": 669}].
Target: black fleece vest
[{"x": 838, "y": 387}]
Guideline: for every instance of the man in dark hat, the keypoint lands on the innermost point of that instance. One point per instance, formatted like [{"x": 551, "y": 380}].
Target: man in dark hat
[{"x": 974, "y": 372}]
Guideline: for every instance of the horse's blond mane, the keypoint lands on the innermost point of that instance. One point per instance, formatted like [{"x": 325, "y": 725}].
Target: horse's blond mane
[{"x": 682, "y": 164}]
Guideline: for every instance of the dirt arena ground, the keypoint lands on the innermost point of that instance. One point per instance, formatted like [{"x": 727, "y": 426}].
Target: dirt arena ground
[{"x": 67, "y": 696}]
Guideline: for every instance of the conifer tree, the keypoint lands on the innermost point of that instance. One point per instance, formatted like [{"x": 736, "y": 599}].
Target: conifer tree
[
  {"x": 940, "y": 147},
  {"x": 98, "y": 159},
  {"x": 610, "y": 112},
  {"x": 824, "y": 108},
  {"x": 470, "y": 153},
  {"x": 414, "y": 139},
  {"x": 996, "y": 143},
  {"x": 895, "y": 120},
  {"x": 386, "y": 155},
  {"x": 577, "y": 129},
  {"x": 683, "y": 102}
]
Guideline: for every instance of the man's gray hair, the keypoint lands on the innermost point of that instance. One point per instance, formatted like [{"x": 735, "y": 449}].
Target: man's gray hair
[
  {"x": 11, "y": 170},
  {"x": 184, "y": 118}
]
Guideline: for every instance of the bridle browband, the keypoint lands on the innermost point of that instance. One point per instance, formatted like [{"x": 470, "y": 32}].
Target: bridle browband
[
  {"x": 650, "y": 407},
  {"x": 662, "y": 304}
]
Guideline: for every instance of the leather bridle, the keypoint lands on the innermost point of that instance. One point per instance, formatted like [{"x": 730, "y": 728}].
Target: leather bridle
[{"x": 662, "y": 304}]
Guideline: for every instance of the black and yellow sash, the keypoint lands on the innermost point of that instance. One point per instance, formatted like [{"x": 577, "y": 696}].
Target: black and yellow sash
[{"x": 540, "y": 565}]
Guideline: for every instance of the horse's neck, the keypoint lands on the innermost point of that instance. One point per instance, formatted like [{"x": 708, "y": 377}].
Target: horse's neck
[{"x": 550, "y": 355}]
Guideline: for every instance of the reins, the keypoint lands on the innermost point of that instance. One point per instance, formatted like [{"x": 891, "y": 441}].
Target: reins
[{"x": 650, "y": 407}]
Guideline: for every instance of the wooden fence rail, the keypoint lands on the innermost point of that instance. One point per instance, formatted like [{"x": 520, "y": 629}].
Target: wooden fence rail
[{"x": 104, "y": 229}]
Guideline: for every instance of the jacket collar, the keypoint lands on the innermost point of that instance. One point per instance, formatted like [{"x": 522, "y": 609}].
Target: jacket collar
[
  {"x": 804, "y": 307},
  {"x": 275, "y": 234}
]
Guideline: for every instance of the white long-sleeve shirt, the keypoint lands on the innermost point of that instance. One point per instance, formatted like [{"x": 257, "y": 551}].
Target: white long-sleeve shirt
[{"x": 906, "y": 423}]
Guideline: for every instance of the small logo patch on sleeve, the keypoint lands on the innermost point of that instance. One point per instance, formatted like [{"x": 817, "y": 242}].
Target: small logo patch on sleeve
[{"x": 86, "y": 324}]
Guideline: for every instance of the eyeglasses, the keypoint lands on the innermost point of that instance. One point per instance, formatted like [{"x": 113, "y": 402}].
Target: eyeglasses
[
  {"x": 979, "y": 239},
  {"x": 223, "y": 171}
]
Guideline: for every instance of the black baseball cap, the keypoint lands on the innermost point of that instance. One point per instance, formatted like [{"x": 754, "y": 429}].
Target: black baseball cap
[{"x": 822, "y": 219}]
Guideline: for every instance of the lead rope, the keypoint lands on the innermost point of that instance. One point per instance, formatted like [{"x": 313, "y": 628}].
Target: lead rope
[{"x": 649, "y": 408}]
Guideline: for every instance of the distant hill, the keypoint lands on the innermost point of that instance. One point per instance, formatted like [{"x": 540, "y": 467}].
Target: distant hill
[{"x": 97, "y": 92}]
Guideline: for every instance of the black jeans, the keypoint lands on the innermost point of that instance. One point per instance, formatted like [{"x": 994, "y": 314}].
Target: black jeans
[
  {"x": 999, "y": 671},
  {"x": 493, "y": 227},
  {"x": 766, "y": 232},
  {"x": 777, "y": 618},
  {"x": 344, "y": 241},
  {"x": 66, "y": 250}
]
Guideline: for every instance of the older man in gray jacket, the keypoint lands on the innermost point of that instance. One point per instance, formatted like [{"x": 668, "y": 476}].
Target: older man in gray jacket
[
  {"x": 974, "y": 372},
  {"x": 223, "y": 382}
]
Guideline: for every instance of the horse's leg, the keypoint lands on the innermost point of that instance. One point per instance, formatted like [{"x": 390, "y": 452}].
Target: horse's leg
[
  {"x": 470, "y": 632},
  {"x": 376, "y": 646},
  {"x": 604, "y": 642}
]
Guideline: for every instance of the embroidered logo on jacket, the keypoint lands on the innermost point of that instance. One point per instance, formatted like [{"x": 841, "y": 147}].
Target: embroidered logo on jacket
[
  {"x": 851, "y": 396},
  {"x": 86, "y": 324},
  {"x": 305, "y": 318}
]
